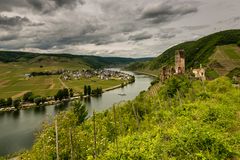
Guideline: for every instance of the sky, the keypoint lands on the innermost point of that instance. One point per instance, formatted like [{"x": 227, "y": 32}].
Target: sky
[{"x": 123, "y": 28}]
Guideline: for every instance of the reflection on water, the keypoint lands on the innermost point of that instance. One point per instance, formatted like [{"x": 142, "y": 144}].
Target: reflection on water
[{"x": 17, "y": 128}]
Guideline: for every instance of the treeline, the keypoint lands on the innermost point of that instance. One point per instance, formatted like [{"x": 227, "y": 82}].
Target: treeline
[
  {"x": 47, "y": 73},
  {"x": 88, "y": 91},
  {"x": 64, "y": 94},
  {"x": 185, "y": 119},
  {"x": 29, "y": 97}
]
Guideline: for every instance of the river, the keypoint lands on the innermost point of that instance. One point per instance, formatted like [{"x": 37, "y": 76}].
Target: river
[{"x": 17, "y": 129}]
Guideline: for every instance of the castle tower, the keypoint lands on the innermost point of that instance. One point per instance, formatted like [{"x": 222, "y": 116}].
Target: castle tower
[{"x": 180, "y": 61}]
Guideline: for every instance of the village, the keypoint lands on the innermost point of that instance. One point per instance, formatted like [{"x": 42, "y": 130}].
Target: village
[
  {"x": 104, "y": 74},
  {"x": 67, "y": 75}
]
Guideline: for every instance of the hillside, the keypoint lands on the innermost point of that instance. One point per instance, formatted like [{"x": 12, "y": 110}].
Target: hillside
[
  {"x": 90, "y": 61},
  {"x": 182, "y": 120},
  {"x": 197, "y": 52},
  {"x": 15, "y": 65}
]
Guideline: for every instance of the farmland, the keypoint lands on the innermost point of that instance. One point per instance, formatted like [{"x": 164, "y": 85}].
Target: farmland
[{"x": 14, "y": 84}]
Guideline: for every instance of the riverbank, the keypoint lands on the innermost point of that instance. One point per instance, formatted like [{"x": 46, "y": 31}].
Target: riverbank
[
  {"x": 146, "y": 73},
  {"x": 25, "y": 106}
]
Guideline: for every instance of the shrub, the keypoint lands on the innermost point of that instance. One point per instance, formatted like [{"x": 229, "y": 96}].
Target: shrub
[
  {"x": 28, "y": 97},
  {"x": 221, "y": 85},
  {"x": 38, "y": 100},
  {"x": 238, "y": 43},
  {"x": 174, "y": 85}
]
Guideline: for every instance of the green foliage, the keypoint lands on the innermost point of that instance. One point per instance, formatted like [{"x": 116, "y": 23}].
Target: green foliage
[
  {"x": 80, "y": 111},
  {"x": 238, "y": 43},
  {"x": 221, "y": 85},
  {"x": 176, "y": 85},
  {"x": 211, "y": 74},
  {"x": 89, "y": 90},
  {"x": 38, "y": 100},
  {"x": 16, "y": 103},
  {"x": 71, "y": 93},
  {"x": 62, "y": 94},
  {"x": 28, "y": 97},
  {"x": 97, "y": 92},
  {"x": 202, "y": 124},
  {"x": 2, "y": 103},
  {"x": 9, "y": 102}
]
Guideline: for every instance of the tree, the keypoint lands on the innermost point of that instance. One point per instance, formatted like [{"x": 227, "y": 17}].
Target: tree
[
  {"x": 38, "y": 100},
  {"x": 16, "y": 103},
  {"x": 238, "y": 43},
  {"x": 44, "y": 99},
  {"x": 80, "y": 111},
  {"x": 89, "y": 90},
  {"x": 85, "y": 90},
  {"x": 28, "y": 97},
  {"x": 65, "y": 93},
  {"x": 9, "y": 101},
  {"x": 2, "y": 103},
  {"x": 59, "y": 95},
  {"x": 71, "y": 93}
]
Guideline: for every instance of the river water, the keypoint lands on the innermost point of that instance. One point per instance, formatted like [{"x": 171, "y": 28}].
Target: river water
[{"x": 17, "y": 129}]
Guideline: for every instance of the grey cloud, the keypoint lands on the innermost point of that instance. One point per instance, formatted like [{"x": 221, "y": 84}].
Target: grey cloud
[
  {"x": 39, "y": 5},
  {"x": 140, "y": 36},
  {"x": 8, "y": 22},
  {"x": 168, "y": 10},
  {"x": 8, "y": 37},
  {"x": 192, "y": 28},
  {"x": 167, "y": 35},
  {"x": 47, "y": 6}
]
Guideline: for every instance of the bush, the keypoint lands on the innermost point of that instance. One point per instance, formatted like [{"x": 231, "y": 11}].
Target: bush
[
  {"x": 80, "y": 111},
  {"x": 16, "y": 103},
  {"x": 28, "y": 97},
  {"x": 238, "y": 43},
  {"x": 9, "y": 102},
  {"x": 220, "y": 85},
  {"x": 2, "y": 103},
  {"x": 38, "y": 100},
  {"x": 174, "y": 85}
]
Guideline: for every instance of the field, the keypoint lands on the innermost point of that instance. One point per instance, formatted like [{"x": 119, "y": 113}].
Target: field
[
  {"x": 226, "y": 58},
  {"x": 14, "y": 84}
]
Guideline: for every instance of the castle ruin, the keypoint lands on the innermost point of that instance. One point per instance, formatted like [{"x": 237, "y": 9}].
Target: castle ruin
[
  {"x": 179, "y": 66},
  {"x": 180, "y": 62}
]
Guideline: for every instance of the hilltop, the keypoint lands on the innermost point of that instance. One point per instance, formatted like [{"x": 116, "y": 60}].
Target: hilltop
[
  {"x": 90, "y": 61},
  {"x": 208, "y": 51}
]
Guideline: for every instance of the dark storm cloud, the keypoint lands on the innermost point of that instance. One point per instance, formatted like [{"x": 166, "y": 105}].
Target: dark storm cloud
[
  {"x": 168, "y": 10},
  {"x": 8, "y": 37},
  {"x": 7, "y": 5},
  {"x": 6, "y": 21},
  {"x": 140, "y": 36},
  {"x": 39, "y": 5}
]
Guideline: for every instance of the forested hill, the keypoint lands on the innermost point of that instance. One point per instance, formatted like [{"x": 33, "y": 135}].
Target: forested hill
[
  {"x": 197, "y": 52},
  {"x": 91, "y": 61}
]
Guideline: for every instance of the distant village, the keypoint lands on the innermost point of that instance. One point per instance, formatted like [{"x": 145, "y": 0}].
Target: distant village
[
  {"x": 66, "y": 75},
  {"x": 101, "y": 74}
]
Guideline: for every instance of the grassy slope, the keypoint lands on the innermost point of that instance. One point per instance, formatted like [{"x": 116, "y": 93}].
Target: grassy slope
[
  {"x": 225, "y": 59},
  {"x": 197, "y": 52},
  {"x": 202, "y": 124}
]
